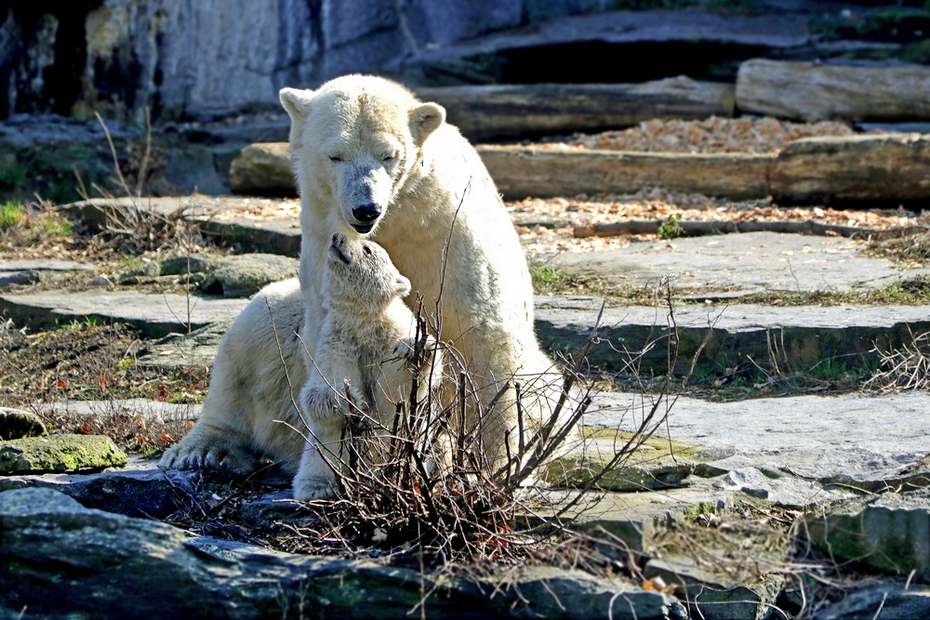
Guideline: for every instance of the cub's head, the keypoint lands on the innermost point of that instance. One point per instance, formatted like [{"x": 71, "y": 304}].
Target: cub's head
[
  {"x": 360, "y": 273},
  {"x": 356, "y": 141}
]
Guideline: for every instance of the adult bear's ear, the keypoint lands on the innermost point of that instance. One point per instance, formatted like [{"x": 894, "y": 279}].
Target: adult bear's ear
[
  {"x": 402, "y": 285},
  {"x": 424, "y": 120},
  {"x": 296, "y": 102}
]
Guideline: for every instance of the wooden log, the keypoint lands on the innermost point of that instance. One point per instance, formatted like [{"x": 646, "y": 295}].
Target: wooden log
[
  {"x": 531, "y": 110},
  {"x": 891, "y": 168},
  {"x": 263, "y": 169},
  {"x": 815, "y": 92},
  {"x": 526, "y": 171}
]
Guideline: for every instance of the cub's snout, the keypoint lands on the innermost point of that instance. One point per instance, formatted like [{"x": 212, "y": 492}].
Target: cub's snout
[{"x": 338, "y": 250}]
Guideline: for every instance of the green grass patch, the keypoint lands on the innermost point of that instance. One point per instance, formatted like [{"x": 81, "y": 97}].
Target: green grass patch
[
  {"x": 11, "y": 214},
  {"x": 546, "y": 278}
]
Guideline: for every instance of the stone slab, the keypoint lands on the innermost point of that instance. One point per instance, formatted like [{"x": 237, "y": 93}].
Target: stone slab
[
  {"x": 279, "y": 235},
  {"x": 147, "y": 408},
  {"x": 741, "y": 337},
  {"x": 46, "y": 533},
  {"x": 29, "y": 271},
  {"x": 748, "y": 262},
  {"x": 155, "y": 315},
  {"x": 855, "y": 437}
]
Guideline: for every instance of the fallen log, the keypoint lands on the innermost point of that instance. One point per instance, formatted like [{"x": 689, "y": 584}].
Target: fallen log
[
  {"x": 530, "y": 110},
  {"x": 881, "y": 169},
  {"x": 816, "y": 92},
  {"x": 702, "y": 227},
  {"x": 526, "y": 171}
]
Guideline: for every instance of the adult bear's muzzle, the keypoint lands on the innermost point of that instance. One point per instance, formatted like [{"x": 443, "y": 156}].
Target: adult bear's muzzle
[{"x": 366, "y": 215}]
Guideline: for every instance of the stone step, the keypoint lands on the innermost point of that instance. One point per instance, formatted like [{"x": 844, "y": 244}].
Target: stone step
[
  {"x": 154, "y": 315},
  {"x": 731, "y": 339}
]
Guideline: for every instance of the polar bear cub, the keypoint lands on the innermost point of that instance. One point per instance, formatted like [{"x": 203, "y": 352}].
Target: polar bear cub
[{"x": 362, "y": 365}]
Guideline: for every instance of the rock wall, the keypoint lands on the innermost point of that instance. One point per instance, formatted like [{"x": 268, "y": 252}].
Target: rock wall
[{"x": 206, "y": 58}]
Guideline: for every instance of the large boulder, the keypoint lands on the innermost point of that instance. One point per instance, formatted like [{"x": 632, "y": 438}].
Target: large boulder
[{"x": 58, "y": 559}]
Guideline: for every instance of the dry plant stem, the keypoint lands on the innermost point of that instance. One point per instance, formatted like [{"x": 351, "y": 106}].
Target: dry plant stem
[
  {"x": 146, "y": 155},
  {"x": 119, "y": 172}
]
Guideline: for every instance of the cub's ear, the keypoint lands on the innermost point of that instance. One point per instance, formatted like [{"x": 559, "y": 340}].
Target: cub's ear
[
  {"x": 424, "y": 120},
  {"x": 296, "y": 102},
  {"x": 402, "y": 285}
]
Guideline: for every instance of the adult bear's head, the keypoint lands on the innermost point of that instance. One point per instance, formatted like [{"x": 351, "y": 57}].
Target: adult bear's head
[{"x": 356, "y": 141}]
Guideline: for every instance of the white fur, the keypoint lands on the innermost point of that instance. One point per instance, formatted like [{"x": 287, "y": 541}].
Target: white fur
[
  {"x": 441, "y": 220},
  {"x": 362, "y": 356},
  {"x": 253, "y": 385},
  {"x": 361, "y": 365}
]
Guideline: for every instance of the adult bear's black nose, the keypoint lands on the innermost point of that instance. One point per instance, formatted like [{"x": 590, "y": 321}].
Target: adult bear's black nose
[{"x": 366, "y": 213}]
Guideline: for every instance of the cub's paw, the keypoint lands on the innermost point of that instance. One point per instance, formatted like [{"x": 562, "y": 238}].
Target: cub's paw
[
  {"x": 313, "y": 488},
  {"x": 322, "y": 403}
]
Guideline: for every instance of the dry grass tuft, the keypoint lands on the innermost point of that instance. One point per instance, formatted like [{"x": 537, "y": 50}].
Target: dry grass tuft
[{"x": 906, "y": 368}]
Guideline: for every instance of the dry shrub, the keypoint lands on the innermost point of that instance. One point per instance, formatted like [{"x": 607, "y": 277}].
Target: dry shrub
[
  {"x": 905, "y": 368},
  {"x": 127, "y": 225},
  {"x": 425, "y": 485}
]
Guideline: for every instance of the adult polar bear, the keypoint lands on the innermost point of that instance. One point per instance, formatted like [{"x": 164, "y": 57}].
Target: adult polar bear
[{"x": 370, "y": 159}]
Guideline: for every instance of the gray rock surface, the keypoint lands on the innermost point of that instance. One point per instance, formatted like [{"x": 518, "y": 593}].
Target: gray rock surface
[
  {"x": 784, "y": 490},
  {"x": 890, "y": 532},
  {"x": 46, "y": 534},
  {"x": 880, "y": 603},
  {"x": 855, "y": 437},
  {"x": 30, "y": 271},
  {"x": 712, "y": 598},
  {"x": 738, "y": 337},
  {"x": 244, "y": 275},
  {"x": 747, "y": 262},
  {"x": 155, "y": 315}
]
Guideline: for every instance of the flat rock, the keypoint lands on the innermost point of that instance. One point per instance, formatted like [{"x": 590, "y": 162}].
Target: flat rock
[
  {"x": 139, "y": 489},
  {"x": 16, "y": 424},
  {"x": 155, "y": 315},
  {"x": 787, "y": 491},
  {"x": 647, "y": 464},
  {"x": 29, "y": 271},
  {"x": 147, "y": 408},
  {"x": 747, "y": 262},
  {"x": 736, "y": 336},
  {"x": 890, "y": 531},
  {"x": 635, "y": 518},
  {"x": 194, "y": 350},
  {"x": 221, "y": 216},
  {"x": 850, "y": 438},
  {"x": 57, "y": 453}
]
